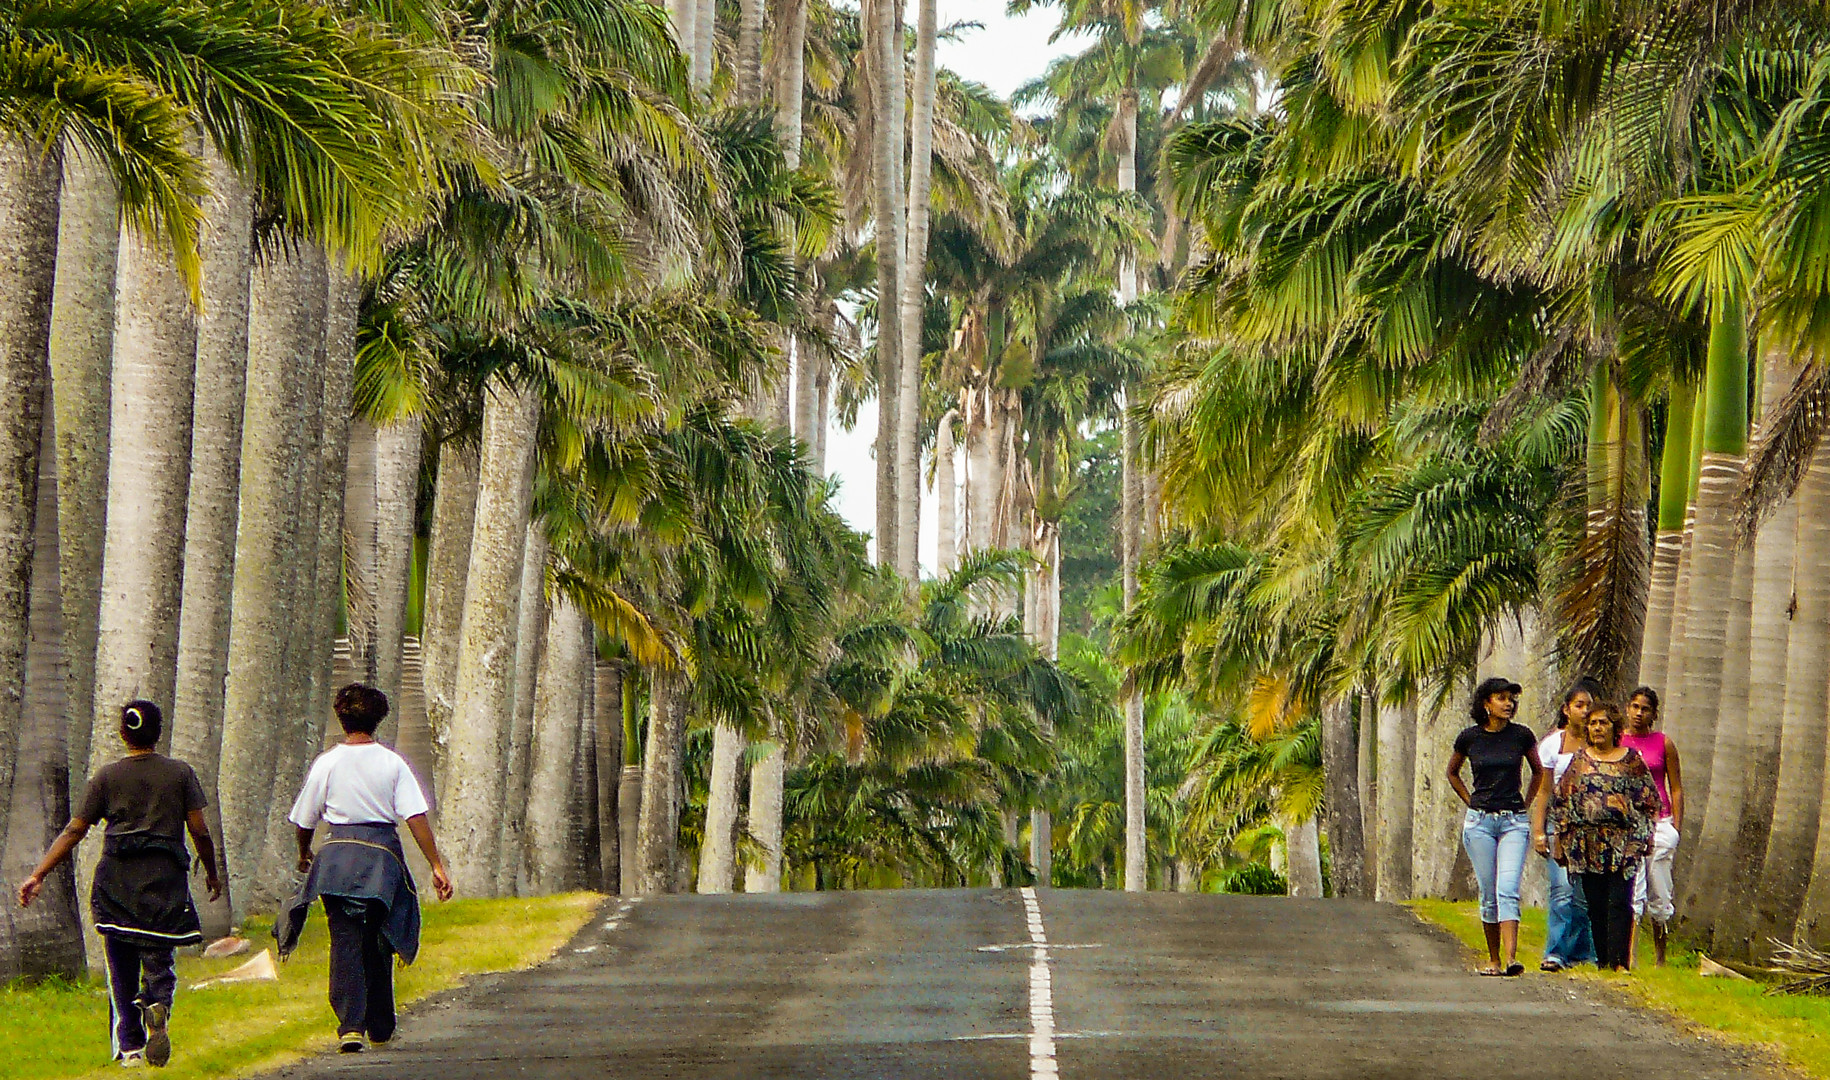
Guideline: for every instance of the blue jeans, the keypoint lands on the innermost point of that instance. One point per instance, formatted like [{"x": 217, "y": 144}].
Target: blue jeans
[
  {"x": 1496, "y": 842},
  {"x": 1566, "y": 918}
]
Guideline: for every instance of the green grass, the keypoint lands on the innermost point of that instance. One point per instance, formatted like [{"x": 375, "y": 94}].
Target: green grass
[
  {"x": 1794, "y": 1029},
  {"x": 56, "y": 1031}
]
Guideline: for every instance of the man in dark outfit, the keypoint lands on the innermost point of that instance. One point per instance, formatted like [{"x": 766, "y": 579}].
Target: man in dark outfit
[{"x": 141, "y": 899}]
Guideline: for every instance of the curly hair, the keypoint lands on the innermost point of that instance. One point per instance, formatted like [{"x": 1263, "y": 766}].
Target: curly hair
[{"x": 360, "y": 708}]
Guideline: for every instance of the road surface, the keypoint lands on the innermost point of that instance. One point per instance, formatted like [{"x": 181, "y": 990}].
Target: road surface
[{"x": 1019, "y": 985}]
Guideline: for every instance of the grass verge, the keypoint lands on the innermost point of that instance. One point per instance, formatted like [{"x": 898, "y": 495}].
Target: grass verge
[
  {"x": 59, "y": 1031},
  {"x": 1794, "y": 1029}
]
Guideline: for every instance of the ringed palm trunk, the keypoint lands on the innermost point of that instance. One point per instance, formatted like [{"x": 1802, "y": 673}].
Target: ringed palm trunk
[
  {"x": 1713, "y": 561},
  {"x": 946, "y": 497},
  {"x": 1302, "y": 842},
  {"x": 629, "y": 799},
  {"x": 513, "y": 863},
  {"x": 359, "y": 498},
  {"x": 558, "y": 711},
  {"x": 717, "y": 854},
  {"x": 1136, "y": 880},
  {"x": 82, "y": 365},
  {"x": 658, "y": 836},
  {"x": 1680, "y": 606},
  {"x": 1813, "y": 922},
  {"x": 1397, "y": 798},
  {"x": 749, "y": 51},
  {"x": 790, "y": 68},
  {"x": 1673, "y": 500},
  {"x": 284, "y": 309},
  {"x": 397, "y": 450},
  {"x": 454, "y": 507},
  {"x": 213, "y": 506},
  {"x": 767, "y": 777},
  {"x": 1046, "y": 629},
  {"x": 1340, "y": 770},
  {"x": 484, "y": 696},
  {"x": 883, "y": 74},
  {"x": 705, "y": 42},
  {"x": 914, "y": 296},
  {"x": 607, "y": 722}
]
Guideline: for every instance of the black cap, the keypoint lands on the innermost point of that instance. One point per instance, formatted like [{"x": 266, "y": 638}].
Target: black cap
[{"x": 1496, "y": 685}]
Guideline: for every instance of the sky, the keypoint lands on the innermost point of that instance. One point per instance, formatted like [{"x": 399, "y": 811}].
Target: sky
[{"x": 1008, "y": 52}]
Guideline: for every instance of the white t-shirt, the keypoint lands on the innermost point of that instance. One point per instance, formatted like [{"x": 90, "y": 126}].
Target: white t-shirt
[
  {"x": 350, "y": 785},
  {"x": 1552, "y": 757}
]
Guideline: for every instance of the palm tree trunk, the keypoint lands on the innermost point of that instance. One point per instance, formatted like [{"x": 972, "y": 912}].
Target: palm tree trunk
[
  {"x": 749, "y": 52},
  {"x": 1673, "y": 499},
  {"x": 512, "y": 862},
  {"x": 684, "y": 15},
  {"x": 883, "y": 76},
  {"x": 1397, "y": 798},
  {"x": 705, "y": 43},
  {"x": 1681, "y": 646},
  {"x": 1366, "y": 712},
  {"x": 1302, "y": 841},
  {"x": 946, "y": 497},
  {"x": 82, "y": 366},
  {"x": 1046, "y": 629},
  {"x": 214, "y": 504},
  {"x": 659, "y": 828},
  {"x": 914, "y": 298},
  {"x": 1131, "y": 541},
  {"x": 1340, "y": 761},
  {"x": 607, "y": 720},
  {"x": 558, "y": 712},
  {"x": 767, "y": 777},
  {"x": 629, "y": 818},
  {"x": 343, "y": 299},
  {"x": 484, "y": 696},
  {"x": 359, "y": 508},
  {"x": 454, "y": 508},
  {"x": 46, "y": 939},
  {"x": 790, "y": 67},
  {"x": 397, "y": 450},
  {"x": 1713, "y": 562},
  {"x": 581, "y": 817},
  {"x": 717, "y": 854},
  {"x": 284, "y": 310}
]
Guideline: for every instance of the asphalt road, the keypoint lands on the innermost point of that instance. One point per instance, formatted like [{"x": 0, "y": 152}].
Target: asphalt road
[{"x": 1008, "y": 985}]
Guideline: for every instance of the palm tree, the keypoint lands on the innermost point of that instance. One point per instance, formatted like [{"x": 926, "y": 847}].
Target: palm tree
[
  {"x": 912, "y": 300},
  {"x": 557, "y": 730},
  {"x": 1673, "y": 506}
]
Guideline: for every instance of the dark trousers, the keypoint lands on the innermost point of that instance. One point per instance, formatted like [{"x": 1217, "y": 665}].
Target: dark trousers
[
  {"x": 1610, "y": 898},
  {"x": 361, "y": 967},
  {"x": 138, "y": 976}
]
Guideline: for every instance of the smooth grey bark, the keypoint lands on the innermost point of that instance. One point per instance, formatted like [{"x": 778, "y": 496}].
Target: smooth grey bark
[
  {"x": 684, "y": 16},
  {"x": 343, "y": 301},
  {"x": 658, "y": 837},
  {"x": 946, "y": 496},
  {"x": 513, "y": 862},
  {"x": 790, "y": 70},
  {"x": 1302, "y": 843},
  {"x": 628, "y": 826},
  {"x": 397, "y": 451},
  {"x": 47, "y": 938},
  {"x": 1340, "y": 774},
  {"x": 359, "y": 498},
  {"x": 1045, "y": 630},
  {"x": 607, "y": 722},
  {"x": 484, "y": 695},
  {"x": 1368, "y": 729},
  {"x": 82, "y": 366},
  {"x": 286, "y": 307},
  {"x": 213, "y": 505},
  {"x": 1655, "y": 650},
  {"x": 1795, "y": 879},
  {"x": 749, "y": 51},
  {"x": 581, "y": 821},
  {"x": 912, "y": 277},
  {"x": 558, "y": 712},
  {"x": 883, "y": 76},
  {"x": 718, "y": 852},
  {"x": 1397, "y": 798},
  {"x": 766, "y": 779},
  {"x": 705, "y": 43},
  {"x": 1131, "y": 541},
  {"x": 454, "y": 507}
]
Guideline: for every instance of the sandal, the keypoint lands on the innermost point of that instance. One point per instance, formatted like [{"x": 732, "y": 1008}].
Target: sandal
[
  {"x": 1551, "y": 964},
  {"x": 1489, "y": 972},
  {"x": 1514, "y": 970}
]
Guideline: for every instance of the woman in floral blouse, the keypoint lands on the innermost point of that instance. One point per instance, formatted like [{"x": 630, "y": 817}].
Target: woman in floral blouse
[{"x": 1604, "y": 810}]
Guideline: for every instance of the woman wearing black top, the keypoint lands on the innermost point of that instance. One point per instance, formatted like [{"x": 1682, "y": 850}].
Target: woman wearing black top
[{"x": 1497, "y": 831}]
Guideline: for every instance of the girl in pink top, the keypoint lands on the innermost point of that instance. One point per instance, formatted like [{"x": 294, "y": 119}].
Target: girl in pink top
[{"x": 1652, "y": 885}]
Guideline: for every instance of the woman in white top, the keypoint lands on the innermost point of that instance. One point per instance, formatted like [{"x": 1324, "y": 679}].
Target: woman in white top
[
  {"x": 1568, "y": 940},
  {"x": 363, "y": 791}
]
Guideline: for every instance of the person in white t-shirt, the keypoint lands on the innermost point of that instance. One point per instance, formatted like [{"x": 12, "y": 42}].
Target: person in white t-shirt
[{"x": 364, "y": 791}]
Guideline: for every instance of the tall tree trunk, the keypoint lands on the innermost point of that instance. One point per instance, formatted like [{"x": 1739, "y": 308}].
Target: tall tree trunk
[
  {"x": 213, "y": 507},
  {"x": 1046, "y": 629},
  {"x": 717, "y": 852},
  {"x": 484, "y": 697},
  {"x": 883, "y": 77},
  {"x": 512, "y": 862},
  {"x": 286, "y": 307},
  {"x": 1136, "y": 858},
  {"x": 705, "y": 43},
  {"x": 684, "y": 14},
  {"x": 46, "y": 939},
  {"x": 658, "y": 840},
  {"x": 790, "y": 68},
  {"x": 1712, "y": 562},
  {"x": 749, "y": 52},
  {"x": 360, "y": 570},
  {"x": 1673, "y": 500},
  {"x": 1367, "y": 773},
  {"x": 343, "y": 301},
  {"x": 454, "y": 508},
  {"x": 558, "y": 711},
  {"x": 913, "y": 282},
  {"x": 607, "y": 720},
  {"x": 1302, "y": 842},
  {"x": 1681, "y": 644},
  {"x": 582, "y": 815},
  {"x": 1340, "y": 761},
  {"x": 1799, "y": 791},
  {"x": 82, "y": 365},
  {"x": 1397, "y": 798},
  {"x": 946, "y": 497},
  {"x": 397, "y": 450},
  {"x": 766, "y": 780}
]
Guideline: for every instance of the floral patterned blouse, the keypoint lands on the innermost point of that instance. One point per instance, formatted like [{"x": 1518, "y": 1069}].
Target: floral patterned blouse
[{"x": 1604, "y": 813}]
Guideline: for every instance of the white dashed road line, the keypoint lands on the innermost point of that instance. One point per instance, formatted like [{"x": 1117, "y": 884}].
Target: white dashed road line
[{"x": 1041, "y": 995}]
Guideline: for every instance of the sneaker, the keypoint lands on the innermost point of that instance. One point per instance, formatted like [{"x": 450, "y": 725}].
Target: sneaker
[
  {"x": 133, "y": 1059},
  {"x": 350, "y": 1042},
  {"x": 158, "y": 1039}
]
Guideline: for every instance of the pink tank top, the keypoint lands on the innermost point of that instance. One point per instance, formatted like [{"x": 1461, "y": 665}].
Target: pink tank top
[{"x": 1651, "y": 747}]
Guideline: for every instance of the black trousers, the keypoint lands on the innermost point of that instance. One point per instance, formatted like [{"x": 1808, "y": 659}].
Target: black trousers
[
  {"x": 361, "y": 967},
  {"x": 1610, "y": 898},
  {"x": 138, "y": 976}
]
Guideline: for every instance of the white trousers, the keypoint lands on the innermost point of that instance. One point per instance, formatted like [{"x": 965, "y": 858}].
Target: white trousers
[{"x": 1652, "y": 885}]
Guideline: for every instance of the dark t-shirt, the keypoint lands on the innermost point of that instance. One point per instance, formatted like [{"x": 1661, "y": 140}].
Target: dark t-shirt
[
  {"x": 1495, "y": 757},
  {"x": 150, "y": 794}
]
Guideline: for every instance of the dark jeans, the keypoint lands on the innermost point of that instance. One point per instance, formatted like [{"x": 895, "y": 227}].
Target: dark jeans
[
  {"x": 1610, "y": 899},
  {"x": 361, "y": 967},
  {"x": 138, "y": 976}
]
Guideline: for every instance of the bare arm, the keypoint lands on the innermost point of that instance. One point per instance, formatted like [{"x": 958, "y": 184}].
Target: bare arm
[
  {"x": 304, "y": 836},
  {"x": 60, "y": 850},
  {"x": 422, "y": 835},
  {"x": 206, "y": 851},
  {"x": 1674, "y": 784},
  {"x": 1537, "y": 778},
  {"x": 1455, "y": 781}
]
